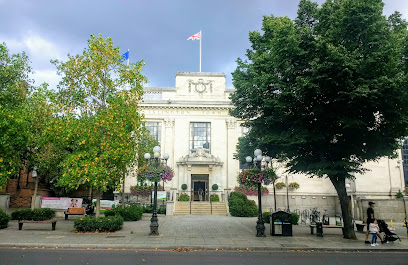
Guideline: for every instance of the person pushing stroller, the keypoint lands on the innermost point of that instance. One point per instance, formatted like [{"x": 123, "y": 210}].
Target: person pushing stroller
[{"x": 370, "y": 219}]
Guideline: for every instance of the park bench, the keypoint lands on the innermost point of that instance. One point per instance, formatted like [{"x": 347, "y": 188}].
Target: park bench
[
  {"x": 74, "y": 211},
  {"x": 21, "y": 222},
  {"x": 313, "y": 226},
  {"x": 360, "y": 227}
]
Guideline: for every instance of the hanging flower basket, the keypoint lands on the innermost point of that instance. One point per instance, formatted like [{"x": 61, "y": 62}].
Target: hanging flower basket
[
  {"x": 154, "y": 173},
  {"x": 253, "y": 176},
  {"x": 293, "y": 185},
  {"x": 280, "y": 185}
]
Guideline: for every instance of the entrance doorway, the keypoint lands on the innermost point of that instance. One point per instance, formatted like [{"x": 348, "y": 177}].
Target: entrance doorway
[{"x": 200, "y": 187}]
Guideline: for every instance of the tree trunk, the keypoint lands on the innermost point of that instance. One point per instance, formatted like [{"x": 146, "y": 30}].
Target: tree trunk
[
  {"x": 123, "y": 191},
  {"x": 339, "y": 183},
  {"x": 98, "y": 203}
]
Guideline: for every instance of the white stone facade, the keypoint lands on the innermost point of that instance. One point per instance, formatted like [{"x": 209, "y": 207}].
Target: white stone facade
[{"x": 203, "y": 98}]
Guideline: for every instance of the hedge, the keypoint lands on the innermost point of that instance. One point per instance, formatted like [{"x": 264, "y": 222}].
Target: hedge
[
  {"x": 129, "y": 213},
  {"x": 101, "y": 224},
  {"x": 240, "y": 206},
  {"x": 4, "y": 219},
  {"x": 33, "y": 215}
]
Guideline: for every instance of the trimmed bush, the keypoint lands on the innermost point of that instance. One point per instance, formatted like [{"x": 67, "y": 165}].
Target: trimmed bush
[
  {"x": 295, "y": 218},
  {"x": 102, "y": 224},
  {"x": 183, "y": 186},
  {"x": 266, "y": 216},
  {"x": 215, "y": 198},
  {"x": 215, "y": 187},
  {"x": 129, "y": 213},
  {"x": 33, "y": 215},
  {"x": 161, "y": 209},
  {"x": 184, "y": 197},
  {"x": 240, "y": 206},
  {"x": 148, "y": 209},
  {"x": 4, "y": 219},
  {"x": 86, "y": 224}
]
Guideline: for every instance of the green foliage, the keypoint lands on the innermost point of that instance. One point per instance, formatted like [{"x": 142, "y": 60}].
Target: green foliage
[
  {"x": 399, "y": 195},
  {"x": 280, "y": 185},
  {"x": 215, "y": 198},
  {"x": 24, "y": 111},
  {"x": 266, "y": 217},
  {"x": 240, "y": 206},
  {"x": 99, "y": 122},
  {"x": 129, "y": 213},
  {"x": 148, "y": 208},
  {"x": 4, "y": 219},
  {"x": 34, "y": 215},
  {"x": 184, "y": 197},
  {"x": 183, "y": 186},
  {"x": 295, "y": 218},
  {"x": 294, "y": 185},
  {"x": 215, "y": 187},
  {"x": 251, "y": 190},
  {"x": 161, "y": 209},
  {"x": 102, "y": 224}
]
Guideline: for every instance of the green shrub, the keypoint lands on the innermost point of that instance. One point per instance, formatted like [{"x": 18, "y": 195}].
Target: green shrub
[
  {"x": 183, "y": 186},
  {"x": 148, "y": 208},
  {"x": 110, "y": 224},
  {"x": 4, "y": 219},
  {"x": 295, "y": 218},
  {"x": 129, "y": 213},
  {"x": 215, "y": 187},
  {"x": 102, "y": 224},
  {"x": 240, "y": 206},
  {"x": 161, "y": 209},
  {"x": 215, "y": 198},
  {"x": 86, "y": 224},
  {"x": 34, "y": 215},
  {"x": 266, "y": 217},
  {"x": 184, "y": 197}
]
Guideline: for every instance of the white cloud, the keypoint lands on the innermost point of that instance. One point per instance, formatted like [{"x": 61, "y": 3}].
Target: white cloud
[{"x": 48, "y": 76}]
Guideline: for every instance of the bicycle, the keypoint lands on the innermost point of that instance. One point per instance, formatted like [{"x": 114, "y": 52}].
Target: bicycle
[
  {"x": 314, "y": 216},
  {"x": 326, "y": 220},
  {"x": 305, "y": 216}
]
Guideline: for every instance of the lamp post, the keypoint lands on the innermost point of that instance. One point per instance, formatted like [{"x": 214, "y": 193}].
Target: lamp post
[
  {"x": 260, "y": 225},
  {"x": 34, "y": 175},
  {"x": 154, "y": 225}
]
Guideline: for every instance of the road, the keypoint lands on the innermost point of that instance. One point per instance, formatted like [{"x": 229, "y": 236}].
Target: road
[{"x": 25, "y": 256}]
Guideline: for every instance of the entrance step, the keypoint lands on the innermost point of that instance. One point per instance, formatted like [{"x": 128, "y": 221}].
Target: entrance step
[{"x": 200, "y": 208}]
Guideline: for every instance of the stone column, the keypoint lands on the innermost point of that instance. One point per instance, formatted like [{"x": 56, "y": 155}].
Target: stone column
[
  {"x": 168, "y": 147},
  {"x": 230, "y": 163}
]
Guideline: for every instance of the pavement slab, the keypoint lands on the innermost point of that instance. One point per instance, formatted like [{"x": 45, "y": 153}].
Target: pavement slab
[{"x": 190, "y": 232}]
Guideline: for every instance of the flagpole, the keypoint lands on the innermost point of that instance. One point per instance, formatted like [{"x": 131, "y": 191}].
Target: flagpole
[
  {"x": 128, "y": 59},
  {"x": 201, "y": 36}
]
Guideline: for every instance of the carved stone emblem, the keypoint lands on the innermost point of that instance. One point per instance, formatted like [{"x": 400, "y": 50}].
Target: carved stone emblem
[{"x": 200, "y": 86}]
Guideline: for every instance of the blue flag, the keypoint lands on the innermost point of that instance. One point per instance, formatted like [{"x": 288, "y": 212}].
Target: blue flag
[{"x": 125, "y": 56}]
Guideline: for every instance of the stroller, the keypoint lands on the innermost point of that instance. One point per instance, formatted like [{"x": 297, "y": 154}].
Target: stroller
[{"x": 389, "y": 235}]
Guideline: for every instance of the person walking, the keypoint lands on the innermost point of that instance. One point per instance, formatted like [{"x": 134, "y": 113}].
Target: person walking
[
  {"x": 370, "y": 219},
  {"x": 374, "y": 230}
]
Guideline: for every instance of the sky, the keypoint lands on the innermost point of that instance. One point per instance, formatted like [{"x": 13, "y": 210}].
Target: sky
[{"x": 153, "y": 30}]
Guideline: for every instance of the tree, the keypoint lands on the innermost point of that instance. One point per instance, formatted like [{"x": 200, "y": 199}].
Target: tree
[
  {"x": 99, "y": 123},
  {"x": 326, "y": 92},
  {"x": 24, "y": 109}
]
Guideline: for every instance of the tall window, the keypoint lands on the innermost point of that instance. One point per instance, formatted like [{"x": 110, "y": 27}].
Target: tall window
[
  {"x": 155, "y": 130},
  {"x": 405, "y": 159},
  {"x": 200, "y": 135}
]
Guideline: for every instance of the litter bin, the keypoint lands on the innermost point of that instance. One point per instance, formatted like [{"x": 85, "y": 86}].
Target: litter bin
[
  {"x": 319, "y": 229},
  {"x": 281, "y": 224}
]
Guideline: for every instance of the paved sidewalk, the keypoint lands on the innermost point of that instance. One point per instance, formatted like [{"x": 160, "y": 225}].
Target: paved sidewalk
[{"x": 190, "y": 232}]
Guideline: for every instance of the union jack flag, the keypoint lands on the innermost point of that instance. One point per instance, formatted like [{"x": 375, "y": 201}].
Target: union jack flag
[{"x": 196, "y": 36}]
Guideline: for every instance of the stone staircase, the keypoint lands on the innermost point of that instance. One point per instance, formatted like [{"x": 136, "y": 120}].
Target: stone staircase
[{"x": 200, "y": 208}]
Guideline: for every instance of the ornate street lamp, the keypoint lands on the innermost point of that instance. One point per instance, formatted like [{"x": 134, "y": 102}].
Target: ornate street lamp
[
  {"x": 154, "y": 225},
  {"x": 260, "y": 225}
]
